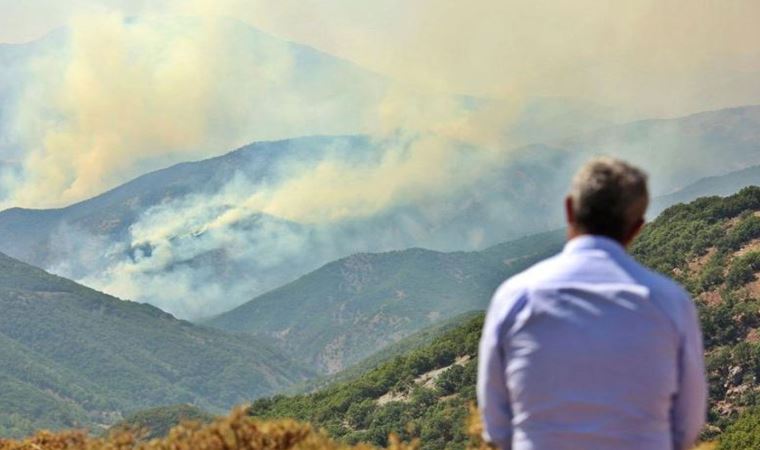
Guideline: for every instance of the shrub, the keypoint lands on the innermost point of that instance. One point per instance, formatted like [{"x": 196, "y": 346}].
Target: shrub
[
  {"x": 743, "y": 269},
  {"x": 743, "y": 434},
  {"x": 238, "y": 431}
]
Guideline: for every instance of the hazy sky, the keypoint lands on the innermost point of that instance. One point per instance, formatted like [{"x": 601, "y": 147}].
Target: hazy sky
[{"x": 664, "y": 56}]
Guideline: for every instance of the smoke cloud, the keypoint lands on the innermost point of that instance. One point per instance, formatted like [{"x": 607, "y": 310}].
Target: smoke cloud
[
  {"x": 657, "y": 57},
  {"x": 128, "y": 95},
  {"x": 121, "y": 96}
]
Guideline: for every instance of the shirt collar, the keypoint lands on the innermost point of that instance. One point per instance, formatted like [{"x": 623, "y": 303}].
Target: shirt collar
[{"x": 594, "y": 242}]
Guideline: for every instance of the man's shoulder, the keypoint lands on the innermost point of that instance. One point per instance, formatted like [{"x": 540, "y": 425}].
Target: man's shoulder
[
  {"x": 557, "y": 269},
  {"x": 672, "y": 299},
  {"x": 519, "y": 284},
  {"x": 512, "y": 295},
  {"x": 661, "y": 285}
]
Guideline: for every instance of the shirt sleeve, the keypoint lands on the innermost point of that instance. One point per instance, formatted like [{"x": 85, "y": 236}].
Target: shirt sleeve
[
  {"x": 690, "y": 402},
  {"x": 493, "y": 396}
]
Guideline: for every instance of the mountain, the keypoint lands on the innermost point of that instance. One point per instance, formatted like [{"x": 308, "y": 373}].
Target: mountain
[
  {"x": 159, "y": 229},
  {"x": 718, "y": 185},
  {"x": 346, "y": 310},
  {"x": 679, "y": 151},
  {"x": 73, "y": 357},
  {"x": 108, "y": 242},
  {"x": 547, "y": 119},
  {"x": 32, "y": 233},
  {"x": 711, "y": 245}
]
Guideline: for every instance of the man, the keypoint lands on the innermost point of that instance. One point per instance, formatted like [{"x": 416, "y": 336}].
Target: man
[{"x": 589, "y": 350}]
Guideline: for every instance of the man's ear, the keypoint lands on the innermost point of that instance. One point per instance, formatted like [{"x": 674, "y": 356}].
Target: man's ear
[{"x": 569, "y": 212}]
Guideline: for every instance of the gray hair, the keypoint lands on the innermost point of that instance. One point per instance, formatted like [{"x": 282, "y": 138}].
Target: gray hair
[{"x": 608, "y": 197}]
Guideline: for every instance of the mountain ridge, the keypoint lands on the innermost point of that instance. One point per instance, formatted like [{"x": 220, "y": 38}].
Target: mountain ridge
[
  {"x": 498, "y": 207},
  {"x": 348, "y": 308},
  {"x": 75, "y": 357}
]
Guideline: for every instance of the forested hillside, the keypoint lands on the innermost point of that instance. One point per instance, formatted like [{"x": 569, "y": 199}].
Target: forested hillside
[
  {"x": 424, "y": 393},
  {"x": 348, "y": 309},
  {"x": 711, "y": 245},
  {"x": 73, "y": 357}
]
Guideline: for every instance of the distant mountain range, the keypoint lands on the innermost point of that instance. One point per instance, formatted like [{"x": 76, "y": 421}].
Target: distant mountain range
[
  {"x": 73, "y": 357},
  {"x": 94, "y": 241},
  {"x": 342, "y": 312},
  {"x": 721, "y": 185}
]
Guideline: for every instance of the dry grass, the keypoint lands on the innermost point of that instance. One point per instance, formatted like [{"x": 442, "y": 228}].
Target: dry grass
[
  {"x": 237, "y": 431},
  {"x": 707, "y": 446}
]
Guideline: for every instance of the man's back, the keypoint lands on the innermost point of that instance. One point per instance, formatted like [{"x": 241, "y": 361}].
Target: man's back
[{"x": 589, "y": 350}]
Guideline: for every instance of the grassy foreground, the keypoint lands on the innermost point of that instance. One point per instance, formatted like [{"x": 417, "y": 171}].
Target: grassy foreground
[{"x": 237, "y": 431}]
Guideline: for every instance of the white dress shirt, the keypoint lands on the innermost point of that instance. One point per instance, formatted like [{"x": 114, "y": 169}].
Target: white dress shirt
[{"x": 589, "y": 350}]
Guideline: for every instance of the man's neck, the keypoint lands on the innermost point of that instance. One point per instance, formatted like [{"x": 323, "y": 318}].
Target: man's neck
[{"x": 573, "y": 233}]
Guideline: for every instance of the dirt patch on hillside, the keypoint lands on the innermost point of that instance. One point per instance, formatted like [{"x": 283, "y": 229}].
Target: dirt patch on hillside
[
  {"x": 392, "y": 397},
  {"x": 750, "y": 246},
  {"x": 696, "y": 265},
  {"x": 426, "y": 379},
  {"x": 753, "y": 336},
  {"x": 710, "y": 298},
  {"x": 753, "y": 288}
]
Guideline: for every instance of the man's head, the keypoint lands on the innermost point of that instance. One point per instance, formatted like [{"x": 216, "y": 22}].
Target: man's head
[{"x": 608, "y": 197}]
